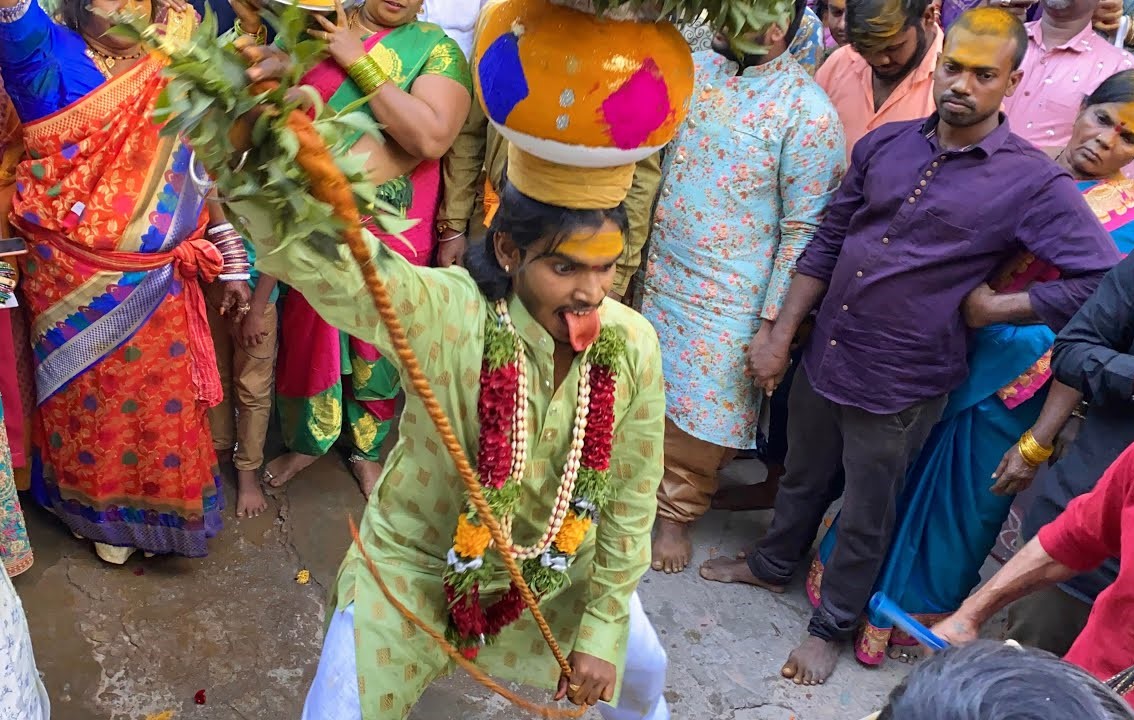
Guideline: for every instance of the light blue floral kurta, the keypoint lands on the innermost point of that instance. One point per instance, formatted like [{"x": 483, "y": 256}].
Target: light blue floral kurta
[
  {"x": 748, "y": 178},
  {"x": 22, "y": 694}
]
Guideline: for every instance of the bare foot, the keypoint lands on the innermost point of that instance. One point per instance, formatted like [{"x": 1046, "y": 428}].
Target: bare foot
[
  {"x": 285, "y": 467},
  {"x": 366, "y": 472},
  {"x": 812, "y": 662},
  {"x": 672, "y": 547},
  {"x": 734, "y": 570},
  {"x": 250, "y": 500},
  {"x": 761, "y": 496}
]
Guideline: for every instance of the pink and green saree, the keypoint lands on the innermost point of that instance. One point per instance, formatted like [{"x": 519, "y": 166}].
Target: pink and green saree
[{"x": 325, "y": 377}]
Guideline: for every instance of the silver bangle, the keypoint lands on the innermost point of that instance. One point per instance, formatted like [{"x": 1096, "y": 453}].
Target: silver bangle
[
  {"x": 450, "y": 239},
  {"x": 16, "y": 12},
  {"x": 232, "y": 277}
]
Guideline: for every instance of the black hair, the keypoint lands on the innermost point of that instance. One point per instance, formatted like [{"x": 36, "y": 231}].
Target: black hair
[
  {"x": 528, "y": 222},
  {"x": 1118, "y": 88},
  {"x": 1016, "y": 29},
  {"x": 75, "y": 14},
  {"x": 872, "y": 21},
  {"x": 821, "y": 8},
  {"x": 987, "y": 680}
]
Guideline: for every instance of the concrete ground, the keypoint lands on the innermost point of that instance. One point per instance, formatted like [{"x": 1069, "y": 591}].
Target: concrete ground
[{"x": 137, "y": 642}]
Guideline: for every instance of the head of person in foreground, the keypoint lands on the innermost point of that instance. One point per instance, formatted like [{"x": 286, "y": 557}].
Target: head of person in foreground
[{"x": 991, "y": 680}]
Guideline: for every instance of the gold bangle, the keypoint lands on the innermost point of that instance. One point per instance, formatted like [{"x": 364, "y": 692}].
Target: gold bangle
[
  {"x": 261, "y": 35},
  {"x": 1032, "y": 452},
  {"x": 367, "y": 74}
]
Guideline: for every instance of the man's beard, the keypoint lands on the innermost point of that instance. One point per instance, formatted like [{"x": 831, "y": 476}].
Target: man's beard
[
  {"x": 961, "y": 120},
  {"x": 914, "y": 61},
  {"x": 1058, "y": 5}
]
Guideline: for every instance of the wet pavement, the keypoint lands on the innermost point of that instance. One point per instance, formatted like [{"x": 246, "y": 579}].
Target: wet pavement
[{"x": 138, "y": 642}]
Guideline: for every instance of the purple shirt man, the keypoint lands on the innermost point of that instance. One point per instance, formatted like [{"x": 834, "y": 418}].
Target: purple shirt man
[
  {"x": 912, "y": 231},
  {"x": 928, "y": 212}
]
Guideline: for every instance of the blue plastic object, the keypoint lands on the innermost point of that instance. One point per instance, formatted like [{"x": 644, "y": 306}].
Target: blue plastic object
[{"x": 887, "y": 608}]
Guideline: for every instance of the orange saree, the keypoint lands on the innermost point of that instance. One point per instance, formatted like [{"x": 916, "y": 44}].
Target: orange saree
[{"x": 124, "y": 368}]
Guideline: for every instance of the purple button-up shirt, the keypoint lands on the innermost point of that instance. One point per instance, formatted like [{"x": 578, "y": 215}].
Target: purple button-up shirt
[{"x": 912, "y": 230}]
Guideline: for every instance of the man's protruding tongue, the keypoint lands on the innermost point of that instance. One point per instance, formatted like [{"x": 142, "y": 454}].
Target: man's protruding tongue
[{"x": 582, "y": 329}]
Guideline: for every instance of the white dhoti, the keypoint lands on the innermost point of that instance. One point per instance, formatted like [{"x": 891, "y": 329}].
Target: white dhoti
[{"x": 334, "y": 693}]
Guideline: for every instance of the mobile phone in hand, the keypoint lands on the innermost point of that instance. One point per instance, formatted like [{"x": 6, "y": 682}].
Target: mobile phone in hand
[{"x": 13, "y": 246}]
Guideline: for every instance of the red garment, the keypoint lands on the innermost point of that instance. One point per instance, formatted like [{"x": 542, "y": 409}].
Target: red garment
[
  {"x": 1094, "y": 527},
  {"x": 10, "y": 391}
]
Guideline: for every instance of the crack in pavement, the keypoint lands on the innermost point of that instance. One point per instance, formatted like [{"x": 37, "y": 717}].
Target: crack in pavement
[
  {"x": 83, "y": 590},
  {"x": 760, "y": 705},
  {"x": 288, "y": 544}
]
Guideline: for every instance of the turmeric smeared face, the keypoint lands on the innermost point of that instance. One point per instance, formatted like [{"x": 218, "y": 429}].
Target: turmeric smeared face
[
  {"x": 1102, "y": 140},
  {"x": 974, "y": 73},
  {"x": 562, "y": 282}
]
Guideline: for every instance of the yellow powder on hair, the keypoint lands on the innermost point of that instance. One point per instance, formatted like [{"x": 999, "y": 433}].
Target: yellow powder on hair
[
  {"x": 883, "y": 27},
  {"x": 973, "y": 50},
  {"x": 988, "y": 21}
]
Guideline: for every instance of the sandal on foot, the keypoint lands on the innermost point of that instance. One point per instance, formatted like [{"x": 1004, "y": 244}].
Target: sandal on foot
[{"x": 113, "y": 554}]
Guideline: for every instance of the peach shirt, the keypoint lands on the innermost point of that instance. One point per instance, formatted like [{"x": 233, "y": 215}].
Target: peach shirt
[{"x": 848, "y": 80}]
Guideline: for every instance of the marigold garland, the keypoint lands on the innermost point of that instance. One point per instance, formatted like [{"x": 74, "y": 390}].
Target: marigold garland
[
  {"x": 471, "y": 540},
  {"x": 584, "y": 490},
  {"x": 571, "y": 535}
]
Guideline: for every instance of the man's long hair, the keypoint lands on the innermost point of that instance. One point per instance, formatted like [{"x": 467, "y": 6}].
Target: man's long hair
[{"x": 529, "y": 221}]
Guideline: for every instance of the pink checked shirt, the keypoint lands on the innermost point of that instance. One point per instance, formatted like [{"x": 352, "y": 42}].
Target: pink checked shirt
[{"x": 1044, "y": 106}]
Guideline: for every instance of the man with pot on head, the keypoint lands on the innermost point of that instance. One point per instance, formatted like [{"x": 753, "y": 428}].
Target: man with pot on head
[
  {"x": 553, "y": 390},
  {"x": 480, "y": 150},
  {"x": 748, "y": 179},
  {"x": 920, "y": 222}
]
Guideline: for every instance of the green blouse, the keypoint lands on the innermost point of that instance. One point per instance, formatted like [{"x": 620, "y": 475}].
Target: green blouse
[{"x": 409, "y": 523}]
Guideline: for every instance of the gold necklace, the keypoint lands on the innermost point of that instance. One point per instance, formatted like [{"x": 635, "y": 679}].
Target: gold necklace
[
  {"x": 105, "y": 62},
  {"x": 356, "y": 21}
]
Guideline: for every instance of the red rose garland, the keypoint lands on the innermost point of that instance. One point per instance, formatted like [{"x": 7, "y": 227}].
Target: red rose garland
[{"x": 470, "y": 625}]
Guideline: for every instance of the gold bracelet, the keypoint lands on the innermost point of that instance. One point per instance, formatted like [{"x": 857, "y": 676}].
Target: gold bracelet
[
  {"x": 1032, "y": 452},
  {"x": 261, "y": 35},
  {"x": 367, "y": 74}
]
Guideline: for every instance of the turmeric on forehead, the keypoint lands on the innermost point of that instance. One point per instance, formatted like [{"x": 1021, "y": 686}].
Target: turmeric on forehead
[
  {"x": 1125, "y": 113},
  {"x": 981, "y": 37}
]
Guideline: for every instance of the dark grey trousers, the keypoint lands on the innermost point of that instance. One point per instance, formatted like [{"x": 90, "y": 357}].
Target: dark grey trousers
[
  {"x": 1048, "y": 619},
  {"x": 875, "y": 451}
]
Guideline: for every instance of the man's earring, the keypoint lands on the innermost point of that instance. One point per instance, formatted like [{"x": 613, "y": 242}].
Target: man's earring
[{"x": 507, "y": 268}]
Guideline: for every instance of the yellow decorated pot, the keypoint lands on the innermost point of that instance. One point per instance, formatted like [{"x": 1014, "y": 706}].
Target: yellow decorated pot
[{"x": 579, "y": 90}]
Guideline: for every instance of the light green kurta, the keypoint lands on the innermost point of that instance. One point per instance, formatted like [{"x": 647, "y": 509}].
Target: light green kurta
[{"x": 411, "y": 517}]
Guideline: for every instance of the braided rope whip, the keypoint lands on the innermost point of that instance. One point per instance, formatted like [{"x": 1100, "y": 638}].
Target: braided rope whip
[{"x": 329, "y": 185}]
